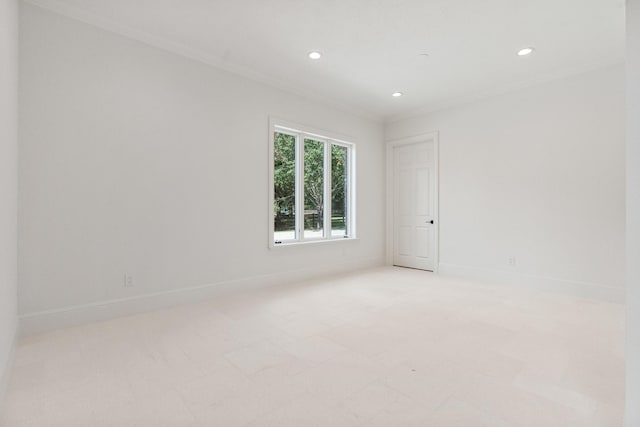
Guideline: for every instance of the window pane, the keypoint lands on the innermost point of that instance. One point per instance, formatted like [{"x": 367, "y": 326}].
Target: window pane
[
  {"x": 313, "y": 189},
  {"x": 339, "y": 196},
  {"x": 284, "y": 179}
]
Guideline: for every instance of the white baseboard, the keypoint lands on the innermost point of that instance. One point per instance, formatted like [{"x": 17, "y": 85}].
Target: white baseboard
[
  {"x": 5, "y": 373},
  {"x": 551, "y": 284},
  {"x": 43, "y": 321}
]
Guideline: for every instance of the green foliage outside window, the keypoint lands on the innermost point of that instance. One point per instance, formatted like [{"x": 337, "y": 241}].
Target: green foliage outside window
[{"x": 284, "y": 183}]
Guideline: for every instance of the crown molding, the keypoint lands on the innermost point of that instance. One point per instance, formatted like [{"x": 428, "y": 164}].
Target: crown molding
[
  {"x": 166, "y": 44},
  {"x": 486, "y": 94}
]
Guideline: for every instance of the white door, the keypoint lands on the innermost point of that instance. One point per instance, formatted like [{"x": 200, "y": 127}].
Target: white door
[{"x": 414, "y": 192}]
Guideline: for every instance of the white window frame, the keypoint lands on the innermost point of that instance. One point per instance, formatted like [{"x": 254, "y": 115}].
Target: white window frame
[{"x": 301, "y": 133}]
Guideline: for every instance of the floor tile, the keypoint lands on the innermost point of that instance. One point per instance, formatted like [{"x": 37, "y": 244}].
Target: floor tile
[{"x": 380, "y": 347}]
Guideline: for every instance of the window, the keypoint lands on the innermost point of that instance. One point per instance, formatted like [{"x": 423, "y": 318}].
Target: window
[{"x": 312, "y": 187}]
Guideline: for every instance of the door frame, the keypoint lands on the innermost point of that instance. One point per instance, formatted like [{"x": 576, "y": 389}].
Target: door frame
[{"x": 426, "y": 137}]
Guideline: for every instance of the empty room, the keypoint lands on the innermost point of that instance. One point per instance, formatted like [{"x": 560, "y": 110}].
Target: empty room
[{"x": 278, "y": 213}]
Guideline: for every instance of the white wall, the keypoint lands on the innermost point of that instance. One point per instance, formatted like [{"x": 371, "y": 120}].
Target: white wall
[
  {"x": 137, "y": 160},
  {"x": 632, "y": 415},
  {"x": 537, "y": 174},
  {"x": 8, "y": 182}
]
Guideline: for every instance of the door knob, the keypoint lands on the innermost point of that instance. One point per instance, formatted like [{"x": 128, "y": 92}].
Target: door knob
[{"x": 430, "y": 222}]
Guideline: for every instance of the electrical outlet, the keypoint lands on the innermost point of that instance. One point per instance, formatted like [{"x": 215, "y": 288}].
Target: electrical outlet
[
  {"x": 128, "y": 281},
  {"x": 511, "y": 261}
]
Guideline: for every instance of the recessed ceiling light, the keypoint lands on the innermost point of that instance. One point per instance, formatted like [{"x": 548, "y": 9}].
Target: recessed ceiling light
[
  {"x": 396, "y": 94},
  {"x": 315, "y": 55},
  {"x": 526, "y": 51}
]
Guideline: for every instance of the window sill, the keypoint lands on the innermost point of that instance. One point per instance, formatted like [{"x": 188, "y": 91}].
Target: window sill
[{"x": 311, "y": 242}]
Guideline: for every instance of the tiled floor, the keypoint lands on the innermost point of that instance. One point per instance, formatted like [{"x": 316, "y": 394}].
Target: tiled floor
[{"x": 384, "y": 347}]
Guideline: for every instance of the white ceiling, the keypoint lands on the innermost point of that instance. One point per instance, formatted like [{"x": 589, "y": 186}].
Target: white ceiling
[{"x": 371, "y": 47}]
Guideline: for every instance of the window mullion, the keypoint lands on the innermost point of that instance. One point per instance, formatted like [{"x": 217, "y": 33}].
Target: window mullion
[
  {"x": 299, "y": 184},
  {"x": 326, "y": 197}
]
